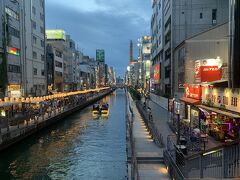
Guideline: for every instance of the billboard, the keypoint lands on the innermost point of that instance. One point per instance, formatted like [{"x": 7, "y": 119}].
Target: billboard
[
  {"x": 56, "y": 34},
  {"x": 100, "y": 55},
  {"x": 193, "y": 91},
  {"x": 156, "y": 75},
  {"x": 208, "y": 70}
]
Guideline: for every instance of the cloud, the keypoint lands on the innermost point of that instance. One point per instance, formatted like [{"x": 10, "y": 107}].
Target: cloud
[{"x": 108, "y": 25}]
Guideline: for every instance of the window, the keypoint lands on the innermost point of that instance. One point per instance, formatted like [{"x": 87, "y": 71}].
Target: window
[
  {"x": 33, "y": 10},
  {"x": 12, "y": 31},
  {"x": 58, "y": 64},
  {"x": 42, "y": 30},
  {"x": 42, "y": 57},
  {"x": 34, "y": 25},
  {"x": 201, "y": 15},
  {"x": 43, "y": 73},
  {"x": 35, "y": 71},
  {"x": 12, "y": 13},
  {"x": 14, "y": 68},
  {"x": 34, "y": 55},
  {"x": 41, "y": 3},
  {"x": 34, "y": 40},
  {"x": 59, "y": 74},
  {"x": 234, "y": 101},
  {"x": 181, "y": 56},
  {"x": 41, "y": 16},
  {"x": 214, "y": 16},
  {"x": 58, "y": 54},
  {"x": 42, "y": 43},
  {"x": 225, "y": 100}
]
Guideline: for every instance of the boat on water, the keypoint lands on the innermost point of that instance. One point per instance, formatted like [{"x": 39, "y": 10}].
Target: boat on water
[
  {"x": 105, "y": 110},
  {"x": 96, "y": 111}
]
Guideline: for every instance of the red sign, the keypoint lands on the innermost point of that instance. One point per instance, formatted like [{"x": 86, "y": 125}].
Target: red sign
[
  {"x": 207, "y": 73},
  {"x": 193, "y": 91},
  {"x": 156, "y": 73}
]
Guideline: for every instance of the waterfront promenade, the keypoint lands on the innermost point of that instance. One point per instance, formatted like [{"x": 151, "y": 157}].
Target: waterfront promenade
[
  {"x": 12, "y": 134},
  {"x": 149, "y": 156}
]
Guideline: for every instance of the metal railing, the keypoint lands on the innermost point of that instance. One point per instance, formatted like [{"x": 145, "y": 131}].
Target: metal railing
[
  {"x": 217, "y": 163},
  {"x": 134, "y": 163}
]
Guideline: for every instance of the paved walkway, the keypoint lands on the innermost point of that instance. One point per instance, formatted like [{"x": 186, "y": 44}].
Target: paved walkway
[{"x": 146, "y": 149}]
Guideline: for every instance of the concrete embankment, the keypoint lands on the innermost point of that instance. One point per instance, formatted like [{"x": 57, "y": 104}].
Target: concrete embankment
[{"x": 19, "y": 133}]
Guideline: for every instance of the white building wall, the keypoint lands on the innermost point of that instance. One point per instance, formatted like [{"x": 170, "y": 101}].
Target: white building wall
[{"x": 35, "y": 47}]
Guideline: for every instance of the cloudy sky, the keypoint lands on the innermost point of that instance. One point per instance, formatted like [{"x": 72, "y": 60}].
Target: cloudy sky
[{"x": 102, "y": 24}]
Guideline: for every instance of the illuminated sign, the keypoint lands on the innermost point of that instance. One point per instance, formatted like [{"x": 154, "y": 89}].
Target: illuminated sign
[
  {"x": 193, "y": 91},
  {"x": 56, "y": 34},
  {"x": 146, "y": 39},
  {"x": 156, "y": 75},
  {"x": 208, "y": 70},
  {"x": 14, "y": 51},
  {"x": 100, "y": 55}
]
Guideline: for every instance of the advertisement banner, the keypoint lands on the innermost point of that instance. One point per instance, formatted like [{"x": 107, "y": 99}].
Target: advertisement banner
[
  {"x": 156, "y": 73},
  {"x": 56, "y": 34},
  {"x": 208, "y": 70},
  {"x": 193, "y": 91}
]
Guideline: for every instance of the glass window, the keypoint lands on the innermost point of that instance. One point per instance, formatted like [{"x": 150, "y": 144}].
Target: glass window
[
  {"x": 34, "y": 55},
  {"x": 35, "y": 71}
]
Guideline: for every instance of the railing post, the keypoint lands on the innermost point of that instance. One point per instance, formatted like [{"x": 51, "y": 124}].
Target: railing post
[
  {"x": 201, "y": 165},
  {"x": 223, "y": 164}
]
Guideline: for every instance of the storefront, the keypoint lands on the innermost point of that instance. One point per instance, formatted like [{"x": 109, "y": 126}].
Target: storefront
[
  {"x": 219, "y": 113},
  {"x": 14, "y": 91},
  {"x": 189, "y": 112}
]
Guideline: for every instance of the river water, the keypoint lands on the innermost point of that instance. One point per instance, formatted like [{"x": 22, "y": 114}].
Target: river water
[{"x": 78, "y": 147}]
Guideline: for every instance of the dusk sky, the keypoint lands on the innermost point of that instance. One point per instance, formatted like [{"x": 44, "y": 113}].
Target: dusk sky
[{"x": 102, "y": 24}]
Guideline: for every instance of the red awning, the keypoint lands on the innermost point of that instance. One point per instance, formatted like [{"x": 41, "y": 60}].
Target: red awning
[{"x": 190, "y": 101}]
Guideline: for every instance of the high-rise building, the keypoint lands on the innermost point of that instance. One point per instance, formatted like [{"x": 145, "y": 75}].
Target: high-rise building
[
  {"x": 234, "y": 68},
  {"x": 35, "y": 76},
  {"x": 11, "y": 49}
]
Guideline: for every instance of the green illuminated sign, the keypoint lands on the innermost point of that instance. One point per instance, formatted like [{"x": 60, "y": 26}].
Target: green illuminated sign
[
  {"x": 56, "y": 34},
  {"x": 100, "y": 55}
]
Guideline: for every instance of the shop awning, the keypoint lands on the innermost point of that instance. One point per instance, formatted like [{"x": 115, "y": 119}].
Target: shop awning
[
  {"x": 218, "y": 111},
  {"x": 190, "y": 100}
]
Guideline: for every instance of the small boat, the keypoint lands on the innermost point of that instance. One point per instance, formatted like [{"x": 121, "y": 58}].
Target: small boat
[
  {"x": 96, "y": 111},
  {"x": 105, "y": 110}
]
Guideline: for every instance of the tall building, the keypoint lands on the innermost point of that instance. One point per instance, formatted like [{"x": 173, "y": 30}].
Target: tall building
[
  {"x": 11, "y": 49},
  {"x": 35, "y": 77},
  {"x": 131, "y": 51},
  {"x": 145, "y": 46},
  {"x": 173, "y": 22},
  {"x": 234, "y": 68}
]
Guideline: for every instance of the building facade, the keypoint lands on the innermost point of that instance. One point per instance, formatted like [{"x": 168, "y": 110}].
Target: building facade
[
  {"x": 35, "y": 81},
  {"x": 177, "y": 21},
  {"x": 11, "y": 49}
]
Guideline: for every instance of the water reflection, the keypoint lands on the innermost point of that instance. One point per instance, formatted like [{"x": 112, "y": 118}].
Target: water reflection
[{"x": 77, "y": 148}]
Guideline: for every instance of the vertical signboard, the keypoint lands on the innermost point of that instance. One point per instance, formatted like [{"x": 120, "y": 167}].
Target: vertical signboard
[
  {"x": 156, "y": 73},
  {"x": 100, "y": 55}
]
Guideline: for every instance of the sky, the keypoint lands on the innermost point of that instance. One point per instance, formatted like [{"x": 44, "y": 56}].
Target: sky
[{"x": 102, "y": 24}]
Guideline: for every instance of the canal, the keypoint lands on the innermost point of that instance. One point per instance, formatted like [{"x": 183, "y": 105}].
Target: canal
[{"x": 79, "y": 147}]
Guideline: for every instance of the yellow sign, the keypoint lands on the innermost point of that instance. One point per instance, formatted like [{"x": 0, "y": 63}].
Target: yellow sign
[{"x": 15, "y": 87}]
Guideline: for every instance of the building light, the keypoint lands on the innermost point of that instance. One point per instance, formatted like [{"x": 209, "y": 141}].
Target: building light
[{"x": 14, "y": 51}]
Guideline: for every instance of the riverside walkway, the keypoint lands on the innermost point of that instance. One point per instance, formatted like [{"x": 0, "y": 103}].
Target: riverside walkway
[{"x": 149, "y": 156}]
